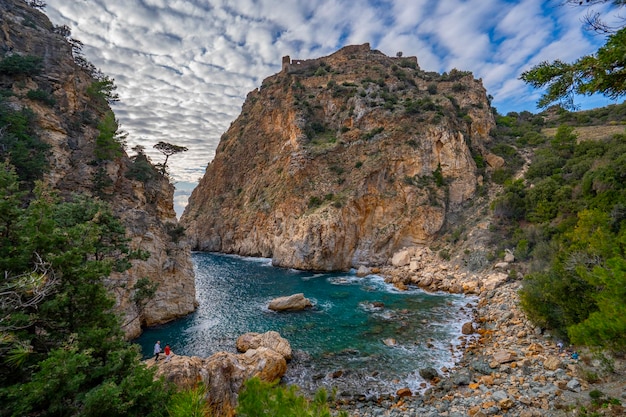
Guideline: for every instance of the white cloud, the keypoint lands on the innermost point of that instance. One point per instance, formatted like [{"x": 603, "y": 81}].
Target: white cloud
[{"x": 184, "y": 67}]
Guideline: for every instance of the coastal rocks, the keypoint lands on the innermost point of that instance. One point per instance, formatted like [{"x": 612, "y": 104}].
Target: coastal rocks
[
  {"x": 421, "y": 266},
  {"x": 494, "y": 280},
  {"x": 401, "y": 258},
  {"x": 363, "y": 271},
  {"x": 467, "y": 328},
  {"x": 428, "y": 373},
  {"x": 271, "y": 340},
  {"x": 390, "y": 342},
  {"x": 404, "y": 392},
  {"x": 293, "y": 302},
  {"x": 573, "y": 385},
  {"x": 552, "y": 363},
  {"x": 224, "y": 373},
  {"x": 504, "y": 356}
]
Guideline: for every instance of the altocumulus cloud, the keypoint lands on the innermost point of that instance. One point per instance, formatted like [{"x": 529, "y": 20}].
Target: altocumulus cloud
[{"x": 184, "y": 67}]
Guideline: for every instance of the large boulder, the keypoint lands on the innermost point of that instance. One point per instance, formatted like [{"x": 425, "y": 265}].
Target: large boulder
[
  {"x": 401, "y": 258},
  {"x": 224, "y": 373},
  {"x": 428, "y": 373},
  {"x": 293, "y": 302},
  {"x": 271, "y": 340},
  {"x": 494, "y": 280}
]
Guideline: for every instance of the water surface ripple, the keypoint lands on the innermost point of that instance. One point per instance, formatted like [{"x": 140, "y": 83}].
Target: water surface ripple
[{"x": 339, "y": 343}]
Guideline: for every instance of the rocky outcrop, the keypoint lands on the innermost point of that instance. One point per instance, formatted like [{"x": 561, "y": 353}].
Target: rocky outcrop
[
  {"x": 271, "y": 340},
  {"x": 224, "y": 373},
  {"x": 293, "y": 302},
  {"x": 69, "y": 114},
  {"x": 341, "y": 161}
]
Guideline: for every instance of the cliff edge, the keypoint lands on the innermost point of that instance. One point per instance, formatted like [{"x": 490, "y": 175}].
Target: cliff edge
[
  {"x": 67, "y": 100},
  {"x": 340, "y": 161}
]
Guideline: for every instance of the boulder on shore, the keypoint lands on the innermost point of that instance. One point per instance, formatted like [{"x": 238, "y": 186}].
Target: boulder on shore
[
  {"x": 428, "y": 373},
  {"x": 293, "y": 302},
  {"x": 271, "y": 340},
  {"x": 224, "y": 373},
  {"x": 468, "y": 328}
]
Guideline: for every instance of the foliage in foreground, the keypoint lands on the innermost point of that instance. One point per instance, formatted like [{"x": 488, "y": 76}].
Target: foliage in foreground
[
  {"x": 260, "y": 398},
  {"x": 62, "y": 351},
  {"x": 189, "y": 403},
  {"x": 600, "y": 73}
]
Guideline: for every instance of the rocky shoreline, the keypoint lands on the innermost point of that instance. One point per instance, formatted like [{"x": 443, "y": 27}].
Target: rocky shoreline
[
  {"x": 507, "y": 367},
  {"x": 511, "y": 369}
]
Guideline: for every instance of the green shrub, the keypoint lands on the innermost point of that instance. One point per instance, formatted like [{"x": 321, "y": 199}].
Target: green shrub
[
  {"x": 459, "y": 87},
  {"x": 408, "y": 63},
  {"x": 141, "y": 169},
  {"x": 369, "y": 135},
  {"x": 189, "y": 403},
  {"x": 102, "y": 92},
  {"x": 175, "y": 231},
  {"x": 260, "y": 398},
  {"x": 314, "y": 202},
  {"x": 41, "y": 95},
  {"x": 110, "y": 142},
  {"x": 21, "y": 65},
  {"x": 20, "y": 144}
]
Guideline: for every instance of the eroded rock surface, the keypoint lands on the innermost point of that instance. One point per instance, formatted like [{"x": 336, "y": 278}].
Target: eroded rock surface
[{"x": 341, "y": 161}]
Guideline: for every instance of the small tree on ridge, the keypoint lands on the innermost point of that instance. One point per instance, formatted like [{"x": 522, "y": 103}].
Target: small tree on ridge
[{"x": 168, "y": 150}]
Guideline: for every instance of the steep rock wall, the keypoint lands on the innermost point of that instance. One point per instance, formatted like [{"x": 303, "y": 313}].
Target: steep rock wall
[
  {"x": 69, "y": 124},
  {"x": 340, "y": 161}
]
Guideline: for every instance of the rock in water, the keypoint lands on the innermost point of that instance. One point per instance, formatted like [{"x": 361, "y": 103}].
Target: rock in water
[
  {"x": 390, "y": 342},
  {"x": 293, "y": 302},
  {"x": 468, "y": 328}
]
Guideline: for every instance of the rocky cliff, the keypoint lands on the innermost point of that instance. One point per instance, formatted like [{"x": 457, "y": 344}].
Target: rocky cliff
[
  {"x": 68, "y": 100},
  {"x": 340, "y": 161}
]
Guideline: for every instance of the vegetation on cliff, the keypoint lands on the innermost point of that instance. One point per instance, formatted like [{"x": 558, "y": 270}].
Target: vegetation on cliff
[
  {"x": 62, "y": 351},
  {"x": 69, "y": 252},
  {"x": 567, "y": 219}
]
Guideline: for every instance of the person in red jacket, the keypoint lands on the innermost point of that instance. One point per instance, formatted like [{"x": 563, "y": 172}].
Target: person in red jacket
[{"x": 168, "y": 353}]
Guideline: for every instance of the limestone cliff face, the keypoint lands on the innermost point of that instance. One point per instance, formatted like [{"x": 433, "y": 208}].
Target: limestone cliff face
[
  {"x": 69, "y": 122},
  {"x": 340, "y": 161}
]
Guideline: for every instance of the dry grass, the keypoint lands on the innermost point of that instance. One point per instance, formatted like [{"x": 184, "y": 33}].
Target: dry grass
[{"x": 590, "y": 132}]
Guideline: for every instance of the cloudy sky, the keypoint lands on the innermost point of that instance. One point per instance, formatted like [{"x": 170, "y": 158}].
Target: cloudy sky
[{"x": 184, "y": 67}]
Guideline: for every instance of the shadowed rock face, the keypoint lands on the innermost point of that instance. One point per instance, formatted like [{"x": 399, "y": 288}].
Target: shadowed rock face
[
  {"x": 342, "y": 162},
  {"x": 70, "y": 127}
]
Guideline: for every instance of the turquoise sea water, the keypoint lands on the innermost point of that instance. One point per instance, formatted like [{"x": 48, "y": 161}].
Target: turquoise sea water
[{"x": 343, "y": 332}]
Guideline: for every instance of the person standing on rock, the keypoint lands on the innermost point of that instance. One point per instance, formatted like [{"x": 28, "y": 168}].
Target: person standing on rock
[
  {"x": 157, "y": 350},
  {"x": 168, "y": 353}
]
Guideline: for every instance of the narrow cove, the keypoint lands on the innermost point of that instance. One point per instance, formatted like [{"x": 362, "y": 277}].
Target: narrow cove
[{"x": 339, "y": 343}]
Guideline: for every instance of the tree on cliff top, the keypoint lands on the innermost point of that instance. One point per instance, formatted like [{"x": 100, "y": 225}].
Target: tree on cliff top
[{"x": 168, "y": 150}]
